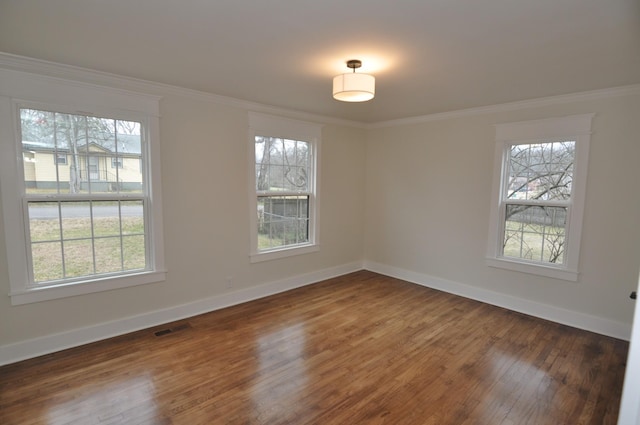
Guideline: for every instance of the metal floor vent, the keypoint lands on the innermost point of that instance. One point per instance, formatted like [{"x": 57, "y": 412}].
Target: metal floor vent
[{"x": 176, "y": 328}]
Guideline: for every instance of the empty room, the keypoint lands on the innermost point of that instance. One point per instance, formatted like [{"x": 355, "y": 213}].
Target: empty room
[{"x": 319, "y": 212}]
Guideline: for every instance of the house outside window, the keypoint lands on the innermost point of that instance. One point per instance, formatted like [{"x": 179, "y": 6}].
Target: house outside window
[
  {"x": 538, "y": 196},
  {"x": 77, "y": 228},
  {"x": 284, "y": 197}
]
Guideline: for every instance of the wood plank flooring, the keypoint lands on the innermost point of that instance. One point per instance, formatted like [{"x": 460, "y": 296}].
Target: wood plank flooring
[{"x": 358, "y": 349}]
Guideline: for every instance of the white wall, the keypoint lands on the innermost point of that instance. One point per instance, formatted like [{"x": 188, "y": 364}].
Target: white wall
[
  {"x": 427, "y": 212},
  {"x": 205, "y": 185}
]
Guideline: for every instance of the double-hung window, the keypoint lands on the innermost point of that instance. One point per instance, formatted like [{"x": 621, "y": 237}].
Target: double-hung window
[
  {"x": 80, "y": 226},
  {"x": 539, "y": 187},
  {"x": 283, "y": 177}
]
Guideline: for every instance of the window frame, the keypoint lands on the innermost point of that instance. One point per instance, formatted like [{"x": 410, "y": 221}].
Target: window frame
[
  {"x": 273, "y": 126},
  {"x": 118, "y": 162},
  {"x": 60, "y": 158},
  {"x": 571, "y": 128},
  {"x": 38, "y": 92}
]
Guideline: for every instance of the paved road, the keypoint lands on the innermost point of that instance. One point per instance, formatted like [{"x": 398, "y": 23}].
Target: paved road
[{"x": 41, "y": 213}]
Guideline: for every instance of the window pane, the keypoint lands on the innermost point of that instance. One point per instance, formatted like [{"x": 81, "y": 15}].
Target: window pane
[
  {"x": 96, "y": 178},
  {"x": 76, "y": 220},
  {"x": 38, "y": 147},
  {"x": 275, "y": 178},
  {"x": 44, "y": 222},
  {"x": 101, "y": 134},
  {"x": 541, "y": 171},
  {"x": 127, "y": 166},
  {"x": 132, "y": 213},
  {"x": 92, "y": 238},
  {"x": 133, "y": 252},
  {"x": 37, "y": 127},
  {"x": 78, "y": 258},
  {"x": 535, "y": 233},
  {"x": 70, "y": 134},
  {"x": 282, "y": 221},
  {"x": 69, "y": 153},
  {"x": 282, "y": 165},
  {"x": 47, "y": 261},
  {"x": 106, "y": 218},
  {"x": 108, "y": 255}
]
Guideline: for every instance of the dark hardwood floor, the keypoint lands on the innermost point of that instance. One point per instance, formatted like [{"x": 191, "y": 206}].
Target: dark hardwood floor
[{"x": 359, "y": 349}]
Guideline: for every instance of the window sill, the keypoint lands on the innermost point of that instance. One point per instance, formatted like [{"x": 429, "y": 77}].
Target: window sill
[
  {"x": 45, "y": 293},
  {"x": 283, "y": 253},
  {"x": 540, "y": 270}
]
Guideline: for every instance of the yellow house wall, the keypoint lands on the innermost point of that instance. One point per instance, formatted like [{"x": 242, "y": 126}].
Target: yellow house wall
[
  {"x": 29, "y": 171},
  {"x": 130, "y": 171},
  {"x": 45, "y": 168}
]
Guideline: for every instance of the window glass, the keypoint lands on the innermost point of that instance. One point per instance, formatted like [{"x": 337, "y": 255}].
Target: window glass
[
  {"x": 282, "y": 169},
  {"x": 535, "y": 233},
  {"x": 76, "y": 235},
  {"x": 539, "y": 177},
  {"x": 541, "y": 170}
]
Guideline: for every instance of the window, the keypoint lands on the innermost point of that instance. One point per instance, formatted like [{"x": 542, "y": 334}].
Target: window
[
  {"x": 116, "y": 162},
  {"x": 85, "y": 225},
  {"x": 82, "y": 228},
  {"x": 536, "y": 216},
  {"x": 284, "y": 187}
]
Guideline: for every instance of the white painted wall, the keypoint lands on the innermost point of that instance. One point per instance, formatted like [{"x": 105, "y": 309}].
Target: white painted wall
[
  {"x": 427, "y": 212},
  {"x": 204, "y": 180}
]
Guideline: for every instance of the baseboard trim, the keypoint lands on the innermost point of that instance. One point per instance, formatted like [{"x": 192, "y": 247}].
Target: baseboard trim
[
  {"x": 12, "y": 353},
  {"x": 571, "y": 318}
]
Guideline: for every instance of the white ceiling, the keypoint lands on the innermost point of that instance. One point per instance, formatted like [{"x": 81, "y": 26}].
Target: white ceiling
[{"x": 428, "y": 56}]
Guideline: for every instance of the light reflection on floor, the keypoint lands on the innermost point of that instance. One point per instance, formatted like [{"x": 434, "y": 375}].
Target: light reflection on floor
[
  {"x": 283, "y": 372},
  {"x": 134, "y": 397},
  {"x": 515, "y": 382}
]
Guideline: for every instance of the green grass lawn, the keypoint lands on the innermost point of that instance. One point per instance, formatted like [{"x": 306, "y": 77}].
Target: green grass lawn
[
  {"x": 78, "y": 252},
  {"x": 533, "y": 241}
]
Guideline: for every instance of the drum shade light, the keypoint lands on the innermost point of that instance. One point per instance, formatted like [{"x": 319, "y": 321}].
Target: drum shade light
[{"x": 352, "y": 87}]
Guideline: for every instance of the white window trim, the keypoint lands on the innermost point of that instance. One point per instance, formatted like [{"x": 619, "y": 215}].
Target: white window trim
[
  {"x": 58, "y": 156},
  {"x": 574, "y": 127},
  {"x": 37, "y": 90},
  {"x": 274, "y": 126}
]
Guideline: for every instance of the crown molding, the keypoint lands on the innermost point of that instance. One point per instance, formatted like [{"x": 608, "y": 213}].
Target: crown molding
[
  {"x": 77, "y": 74},
  {"x": 68, "y": 72},
  {"x": 629, "y": 90}
]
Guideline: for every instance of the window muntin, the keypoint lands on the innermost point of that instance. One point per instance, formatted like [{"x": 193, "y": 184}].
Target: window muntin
[
  {"x": 283, "y": 167},
  {"x": 84, "y": 220}
]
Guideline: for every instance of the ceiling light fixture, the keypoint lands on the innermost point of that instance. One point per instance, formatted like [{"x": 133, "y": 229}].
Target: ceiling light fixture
[{"x": 352, "y": 87}]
